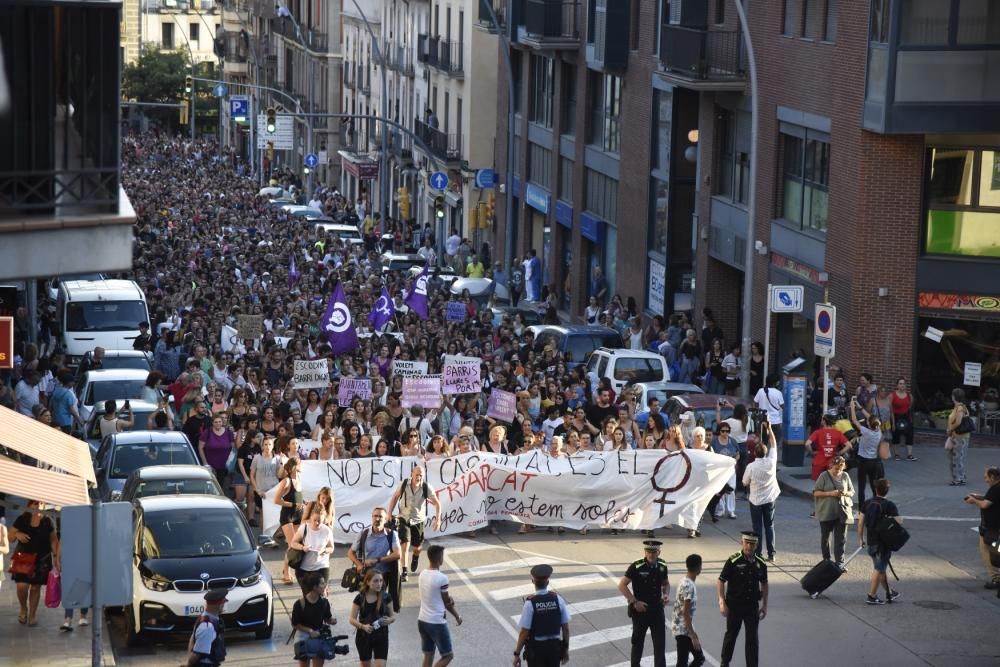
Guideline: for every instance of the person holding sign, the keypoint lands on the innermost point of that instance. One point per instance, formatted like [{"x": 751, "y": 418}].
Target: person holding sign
[{"x": 413, "y": 497}]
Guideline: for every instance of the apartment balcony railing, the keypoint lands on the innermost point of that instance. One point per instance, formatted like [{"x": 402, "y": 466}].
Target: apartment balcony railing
[
  {"x": 433, "y": 50},
  {"x": 703, "y": 57},
  {"x": 315, "y": 40},
  {"x": 364, "y": 82},
  {"x": 447, "y": 147},
  {"x": 499, "y": 8},
  {"x": 551, "y": 24},
  {"x": 400, "y": 145},
  {"x": 350, "y": 78},
  {"x": 423, "y": 47},
  {"x": 398, "y": 58},
  {"x": 450, "y": 58}
]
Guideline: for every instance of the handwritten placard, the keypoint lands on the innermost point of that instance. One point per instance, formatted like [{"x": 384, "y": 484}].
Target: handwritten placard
[
  {"x": 405, "y": 369},
  {"x": 502, "y": 405},
  {"x": 351, "y": 388},
  {"x": 461, "y": 375},
  {"x": 423, "y": 391},
  {"x": 455, "y": 312},
  {"x": 311, "y": 374},
  {"x": 250, "y": 327}
]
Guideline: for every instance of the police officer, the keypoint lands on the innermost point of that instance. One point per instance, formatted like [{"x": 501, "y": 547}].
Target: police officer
[
  {"x": 207, "y": 646},
  {"x": 743, "y": 597},
  {"x": 649, "y": 595},
  {"x": 544, "y": 632}
]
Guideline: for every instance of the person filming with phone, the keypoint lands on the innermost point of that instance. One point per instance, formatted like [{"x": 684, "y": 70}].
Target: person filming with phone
[{"x": 110, "y": 422}]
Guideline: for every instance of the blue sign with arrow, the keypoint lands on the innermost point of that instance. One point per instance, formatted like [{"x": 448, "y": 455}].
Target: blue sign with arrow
[
  {"x": 220, "y": 90},
  {"x": 439, "y": 180},
  {"x": 312, "y": 160}
]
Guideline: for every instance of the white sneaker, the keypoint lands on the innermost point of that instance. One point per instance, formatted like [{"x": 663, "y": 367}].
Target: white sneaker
[
  {"x": 732, "y": 515},
  {"x": 84, "y": 621}
]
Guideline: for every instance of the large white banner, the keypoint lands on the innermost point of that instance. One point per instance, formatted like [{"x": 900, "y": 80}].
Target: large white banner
[{"x": 633, "y": 489}]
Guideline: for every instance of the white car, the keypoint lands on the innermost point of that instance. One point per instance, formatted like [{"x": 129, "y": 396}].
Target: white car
[
  {"x": 185, "y": 545},
  {"x": 661, "y": 391},
  {"x": 109, "y": 385},
  {"x": 349, "y": 234},
  {"x": 624, "y": 367}
]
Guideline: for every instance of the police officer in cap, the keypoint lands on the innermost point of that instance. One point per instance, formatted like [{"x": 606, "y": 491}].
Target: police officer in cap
[
  {"x": 743, "y": 597},
  {"x": 207, "y": 646},
  {"x": 544, "y": 632},
  {"x": 646, "y": 601}
]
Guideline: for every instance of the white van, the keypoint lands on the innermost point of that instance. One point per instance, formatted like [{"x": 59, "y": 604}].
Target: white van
[{"x": 99, "y": 313}]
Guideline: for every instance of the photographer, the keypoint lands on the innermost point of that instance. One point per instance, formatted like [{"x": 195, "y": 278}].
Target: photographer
[
  {"x": 371, "y": 614},
  {"x": 761, "y": 477},
  {"x": 311, "y": 614},
  {"x": 989, "y": 526}
]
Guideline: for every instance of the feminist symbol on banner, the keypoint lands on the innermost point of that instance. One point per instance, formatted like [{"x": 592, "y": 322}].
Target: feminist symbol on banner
[
  {"x": 662, "y": 500},
  {"x": 340, "y": 319},
  {"x": 421, "y": 287},
  {"x": 382, "y": 306}
]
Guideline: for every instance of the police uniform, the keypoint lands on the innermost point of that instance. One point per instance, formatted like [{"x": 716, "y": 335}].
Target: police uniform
[
  {"x": 743, "y": 577},
  {"x": 647, "y": 586},
  {"x": 543, "y": 616},
  {"x": 207, "y": 639}
]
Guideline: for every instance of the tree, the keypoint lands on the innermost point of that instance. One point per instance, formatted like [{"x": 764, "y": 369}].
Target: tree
[{"x": 157, "y": 76}]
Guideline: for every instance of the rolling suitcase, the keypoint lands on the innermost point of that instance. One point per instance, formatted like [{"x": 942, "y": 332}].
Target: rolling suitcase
[{"x": 824, "y": 575}]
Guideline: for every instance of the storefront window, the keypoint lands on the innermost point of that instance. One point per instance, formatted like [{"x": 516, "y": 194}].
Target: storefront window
[
  {"x": 658, "y": 230},
  {"x": 964, "y": 203},
  {"x": 611, "y": 258}
]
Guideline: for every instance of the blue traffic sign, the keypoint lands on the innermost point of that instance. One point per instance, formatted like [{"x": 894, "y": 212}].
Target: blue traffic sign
[
  {"x": 239, "y": 106},
  {"x": 486, "y": 178},
  {"x": 439, "y": 180},
  {"x": 220, "y": 90},
  {"x": 312, "y": 160}
]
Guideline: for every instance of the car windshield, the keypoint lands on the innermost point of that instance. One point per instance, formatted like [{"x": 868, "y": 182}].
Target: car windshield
[
  {"x": 137, "y": 363},
  {"x": 114, "y": 390},
  {"x": 105, "y": 315},
  {"x": 639, "y": 370},
  {"x": 129, "y": 458},
  {"x": 706, "y": 417},
  {"x": 140, "y": 417},
  {"x": 663, "y": 394},
  {"x": 192, "y": 533},
  {"x": 402, "y": 264},
  {"x": 167, "y": 487}
]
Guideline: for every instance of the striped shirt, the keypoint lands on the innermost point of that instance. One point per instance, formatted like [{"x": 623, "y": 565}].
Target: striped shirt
[{"x": 762, "y": 478}]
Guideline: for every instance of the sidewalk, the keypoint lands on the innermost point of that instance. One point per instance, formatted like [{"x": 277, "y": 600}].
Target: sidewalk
[{"x": 918, "y": 487}]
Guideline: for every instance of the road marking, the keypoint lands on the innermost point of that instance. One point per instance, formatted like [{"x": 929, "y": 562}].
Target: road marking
[
  {"x": 940, "y": 518},
  {"x": 512, "y": 592},
  {"x": 588, "y": 606},
  {"x": 518, "y": 564},
  {"x": 588, "y": 639},
  {"x": 482, "y": 598},
  {"x": 647, "y": 661},
  {"x": 459, "y": 545}
]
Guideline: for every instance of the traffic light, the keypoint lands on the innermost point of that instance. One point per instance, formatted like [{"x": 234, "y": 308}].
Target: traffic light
[
  {"x": 439, "y": 207},
  {"x": 484, "y": 215},
  {"x": 404, "y": 203},
  {"x": 491, "y": 206},
  {"x": 188, "y": 84},
  {"x": 474, "y": 217},
  {"x": 272, "y": 121},
  {"x": 270, "y": 150}
]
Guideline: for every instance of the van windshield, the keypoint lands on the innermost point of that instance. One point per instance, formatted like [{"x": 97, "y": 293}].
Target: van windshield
[
  {"x": 105, "y": 315},
  {"x": 639, "y": 370}
]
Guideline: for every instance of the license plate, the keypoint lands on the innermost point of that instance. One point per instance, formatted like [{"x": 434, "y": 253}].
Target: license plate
[{"x": 194, "y": 609}]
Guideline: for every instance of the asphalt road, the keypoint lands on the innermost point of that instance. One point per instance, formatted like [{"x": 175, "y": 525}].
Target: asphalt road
[{"x": 943, "y": 618}]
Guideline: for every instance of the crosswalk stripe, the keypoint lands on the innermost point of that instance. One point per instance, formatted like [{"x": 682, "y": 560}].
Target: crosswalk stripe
[
  {"x": 458, "y": 545},
  {"x": 558, "y": 584},
  {"x": 588, "y": 639},
  {"x": 588, "y": 606},
  {"x": 647, "y": 660},
  {"x": 517, "y": 564}
]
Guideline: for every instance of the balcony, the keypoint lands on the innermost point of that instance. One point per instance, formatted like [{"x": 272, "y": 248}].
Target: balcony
[
  {"x": 445, "y": 147},
  {"x": 608, "y": 35},
  {"x": 550, "y": 24},
  {"x": 484, "y": 21},
  {"x": 400, "y": 146},
  {"x": 702, "y": 59},
  {"x": 450, "y": 58},
  {"x": 398, "y": 58},
  {"x": 433, "y": 50},
  {"x": 350, "y": 78},
  {"x": 364, "y": 82},
  {"x": 315, "y": 40}
]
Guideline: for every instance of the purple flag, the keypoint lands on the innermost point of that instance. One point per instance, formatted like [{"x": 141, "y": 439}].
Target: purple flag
[
  {"x": 383, "y": 311},
  {"x": 293, "y": 275},
  {"x": 417, "y": 298},
  {"x": 336, "y": 324}
]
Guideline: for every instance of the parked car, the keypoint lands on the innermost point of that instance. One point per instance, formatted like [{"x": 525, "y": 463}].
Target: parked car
[
  {"x": 185, "y": 545},
  {"x": 349, "y": 234},
  {"x": 661, "y": 391},
  {"x": 703, "y": 407},
  {"x": 164, "y": 480},
  {"x": 529, "y": 316},
  {"x": 141, "y": 410},
  {"x": 306, "y": 213},
  {"x": 121, "y": 454},
  {"x": 481, "y": 289},
  {"x": 392, "y": 261},
  {"x": 116, "y": 360},
  {"x": 440, "y": 276},
  {"x": 107, "y": 385},
  {"x": 623, "y": 366},
  {"x": 576, "y": 341}
]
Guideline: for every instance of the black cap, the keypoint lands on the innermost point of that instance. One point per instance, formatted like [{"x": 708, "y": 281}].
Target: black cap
[
  {"x": 541, "y": 571},
  {"x": 652, "y": 544},
  {"x": 216, "y": 595},
  {"x": 750, "y": 536}
]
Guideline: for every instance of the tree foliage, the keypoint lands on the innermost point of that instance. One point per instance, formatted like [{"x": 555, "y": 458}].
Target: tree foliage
[{"x": 157, "y": 76}]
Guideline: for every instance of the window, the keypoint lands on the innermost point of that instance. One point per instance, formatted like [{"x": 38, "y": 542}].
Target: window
[
  {"x": 568, "y": 99},
  {"x": 880, "y": 19},
  {"x": 458, "y": 119},
  {"x": 566, "y": 175},
  {"x": 515, "y": 64},
  {"x": 793, "y": 18},
  {"x": 663, "y": 111},
  {"x": 540, "y": 166},
  {"x": 830, "y": 27},
  {"x": 924, "y": 22},
  {"x": 963, "y": 202},
  {"x": 806, "y": 178},
  {"x": 732, "y": 176},
  {"x": 979, "y": 22},
  {"x": 720, "y": 11},
  {"x": 167, "y": 35},
  {"x": 542, "y": 89},
  {"x": 194, "y": 32},
  {"x": 601, "y": 195},
  {"x": 658, "y": 230},
  {"x": 605, "y": 131}
]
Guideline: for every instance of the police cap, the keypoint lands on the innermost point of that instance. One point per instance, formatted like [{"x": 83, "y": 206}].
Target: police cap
[
  {"x": 652, "y": 545},
  {"x": 216, "y": 595},
  {"x": 750, "y": 536},
  {"x": 542, "y": 571}
]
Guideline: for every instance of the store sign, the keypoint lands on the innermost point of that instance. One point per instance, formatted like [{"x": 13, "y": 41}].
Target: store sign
[
  {"x": 364, "y": 171},
  {"x": 657, "y": 288},
  {"x": 943, "y": 301},
  {"x": 536, "y": 198},
  {"x": 798, "y": 268},
  {"x": 973, "y": 375},
  {"x": 7, "y": 342},
  {"x": 591, "y": 227}
]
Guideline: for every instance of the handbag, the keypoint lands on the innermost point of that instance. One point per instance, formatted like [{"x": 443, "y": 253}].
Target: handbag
[
  {"x": 23, "y": 563},
  {"x": 949, "y": 444},
  {"x": 351, "y": 579},
  {"x": 965, "y": 426},
  {"x": 53, "y": 590},
  {"x": 294, "y": 556}
]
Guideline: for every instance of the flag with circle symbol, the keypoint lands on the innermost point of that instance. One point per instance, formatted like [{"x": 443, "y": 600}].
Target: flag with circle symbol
[
  {"x": 417, "y": 298},
  {"x": 337, "y": 325},
  {"x": 382, "y": 312}
]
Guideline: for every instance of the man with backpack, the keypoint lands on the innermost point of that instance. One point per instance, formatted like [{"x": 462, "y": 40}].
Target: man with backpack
[
  {"x": 378, "y": 547},
  {"x": 880, "y": 518},
  {"x": 413, "y": 495},
  {"x": 207, "y": 646}
]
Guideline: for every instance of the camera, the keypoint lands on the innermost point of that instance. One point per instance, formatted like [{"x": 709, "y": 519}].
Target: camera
[{"x": 326, "y": 646}]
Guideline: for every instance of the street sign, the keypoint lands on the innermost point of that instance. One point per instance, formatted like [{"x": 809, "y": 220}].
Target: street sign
[
  {"x": 239, "y": 107},
  {"x": 312, "y": 160},
  {"x": 439, "y": 180},
  {"x": 787, "y": 298},
  {"x": 486, "y": 178},
  {"x": 825, "y": 330},
  {"x": 220, "y": 90},
  {"x": 283, "y": 135}
]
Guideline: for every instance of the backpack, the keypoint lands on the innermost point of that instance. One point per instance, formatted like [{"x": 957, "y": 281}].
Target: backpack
[
  {"x": 891, "y": 533},
  {"x": 217, "y": 655},
  {"x": 404, "y": 485}
]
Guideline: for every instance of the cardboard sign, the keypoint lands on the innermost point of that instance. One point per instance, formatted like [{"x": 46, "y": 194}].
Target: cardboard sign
[
  {"x": 311, "y": 374},
  {"x": 250, "y": 327},
  {"x": 502, "y": 405},
  {"x": 461, "y": 375},
  {"x": 973, "y": 375},
  {"x": 7, "y": 342},
  {"x": 409, "y": 369},
  {"x": 351, "y": 388},
  {"x": 423, "y": 391},
  {"x": 455, "y": 312}
]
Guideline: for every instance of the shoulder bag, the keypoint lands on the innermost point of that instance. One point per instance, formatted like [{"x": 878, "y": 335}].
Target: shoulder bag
[
  {"x": 965, "y": 426},
  {"x": 23, "y": 563},
  {"x": 351, "y": 579},
  {"x": 294, "y": 556}
]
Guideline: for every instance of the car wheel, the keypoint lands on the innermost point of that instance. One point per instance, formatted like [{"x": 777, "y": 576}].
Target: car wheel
[
  {"x": 267, "y": 630},
  {"x": 133, "y": 635}
]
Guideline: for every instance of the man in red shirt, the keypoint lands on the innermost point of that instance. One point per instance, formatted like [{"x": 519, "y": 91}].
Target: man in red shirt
[{"x": 824, "y": 444}]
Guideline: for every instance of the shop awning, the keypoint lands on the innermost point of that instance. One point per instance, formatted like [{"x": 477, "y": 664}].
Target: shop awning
[
  {"x": 46, "y": 444},
  {"x": 53, "y": 488}
]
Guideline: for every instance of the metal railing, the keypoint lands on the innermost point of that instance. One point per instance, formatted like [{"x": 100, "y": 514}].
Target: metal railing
[
  {"x": 350, "y": 78},
  {"x": 450, "y": 58},
  {"x": 553, "y": 18},
  {"x": 443, "y": 146},
  {"x": 315, "y": 40},
  {"x": 499, "y": 8},
  {"x": 702, "y": 54},
  {"x": 433, "y": 50},
  {"x": 423, "y": 52}
]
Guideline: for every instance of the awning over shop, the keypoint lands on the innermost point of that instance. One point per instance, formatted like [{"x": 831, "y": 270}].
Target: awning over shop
[
  {"x": 47, "y": 444},
  {"x": 53, "y": 488}
]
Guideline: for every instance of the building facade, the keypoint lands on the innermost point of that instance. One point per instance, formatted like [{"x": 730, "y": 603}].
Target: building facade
[{"x": 174, "y": 25}]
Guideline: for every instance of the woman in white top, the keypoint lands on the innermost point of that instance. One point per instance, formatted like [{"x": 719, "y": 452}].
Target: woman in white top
[
  {"x": 770, "y": 399},
  {"x": 738, "y": 433},
  {"x": 761, "y": 477},
  {"x": 315, "y": 538}
]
